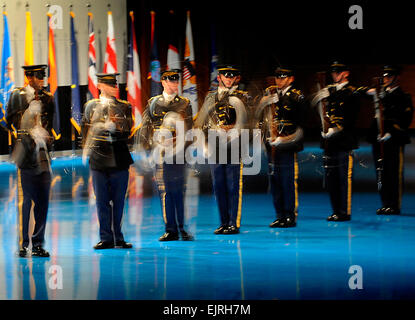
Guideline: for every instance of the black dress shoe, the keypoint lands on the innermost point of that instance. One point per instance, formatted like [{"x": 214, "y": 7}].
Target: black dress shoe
[
  {"x": 220, "y": 230},
  {"x": 104, "y": 245},
  {"x": 23, "y": 252},
  {"x": 338, "y": 217},
  {"x": 38, "y": 251},
  {"x": 186, "y": 236},
  {"x": 381, "y": 211},
  {"x": 288, "y": 222},
  {"x": 391, "y": 211},
  {"x": 231, "y": 230},
  {"x": 123, "y": 245},
  {"x": 276, "y": 223},
  {"x": 169, "y": 236}
]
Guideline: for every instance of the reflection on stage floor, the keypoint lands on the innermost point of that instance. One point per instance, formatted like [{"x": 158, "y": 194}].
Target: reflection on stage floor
[{"x": 370, "y": 257}]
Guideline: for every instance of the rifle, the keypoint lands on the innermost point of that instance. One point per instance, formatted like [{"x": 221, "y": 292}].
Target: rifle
[
  {"x": 381, "y": 130},
  {"x": 321, "y": 83}
]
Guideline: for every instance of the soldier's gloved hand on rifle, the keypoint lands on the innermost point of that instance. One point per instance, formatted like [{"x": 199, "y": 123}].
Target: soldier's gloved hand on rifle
[
  {"x": 273, "y": 98},
  {"x": 320, "y": 95},
  {"x": 110, "y": 126},
  {"x": 330, "y": 133},
  {"x": 371, "y": 92},
  {"x": 385, "y": 137},
  {"x": 40, "y": 137}
]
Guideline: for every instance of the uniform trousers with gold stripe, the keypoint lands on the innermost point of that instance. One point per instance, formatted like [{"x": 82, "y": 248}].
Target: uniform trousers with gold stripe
[
  {"x": 33, "y": 189},
  {"x": 283, "y": 177},
  {"x": 170, "y": 180},
  {"x": 227, "y": 186},
  {"x": 392, "y": 173},
  {"x": 110, "y": 188},
  {"x": 339, "y": 171}
]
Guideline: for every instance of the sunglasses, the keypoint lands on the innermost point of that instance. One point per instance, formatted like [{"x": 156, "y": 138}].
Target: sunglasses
[
  {"x": 38, "y": 74},
  {"x": 229, "y": 74},
  {"x": 174, "y": 77},
  {"x": 281, "y": 76}
]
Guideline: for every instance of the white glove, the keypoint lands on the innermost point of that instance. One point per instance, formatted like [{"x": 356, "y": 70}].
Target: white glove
[
  {"x": 40, "y": 136},
  {"x": 385, "y": 137},
  {"x": 110, "y": 126},
  {"x": 266, "y": 100},
  {"x": 371, "y": 92},
  {"x": 330, "y": 132},
  {"x": 320, "y": 95}
]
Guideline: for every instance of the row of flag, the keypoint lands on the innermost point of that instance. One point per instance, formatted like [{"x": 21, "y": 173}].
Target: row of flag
[{"x": 187, "y": 64}]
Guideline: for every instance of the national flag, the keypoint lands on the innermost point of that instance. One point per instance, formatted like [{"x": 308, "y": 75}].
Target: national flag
[
  {"x": 173, "y": 59},
  {"x": 134, "y": 77},
  {"x": 28, "y": 44},
  {"x": 154, "y": 73},
  {"x": 189, "y": 75},
  {"x": 7, "y": 75},
  {"x": 92, "y": 70},
  {"x": 213, "y": 61},
  {"x": 28, "y": 47},
  {"x": 75, "y": 93},
  {"x": 53, "y": 78},
  {"x": 110, "y": 62}
]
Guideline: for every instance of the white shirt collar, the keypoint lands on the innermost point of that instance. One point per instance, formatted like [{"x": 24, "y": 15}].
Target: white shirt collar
[
  {"x": 283, "y": 92},
  {"x": 388, "y": 89},
  {"x": 222, "y": 90},
  {"x": 168, "y": 97},
  {"x": 105, "y": 100},
  {"x": 341, "y": 85}
]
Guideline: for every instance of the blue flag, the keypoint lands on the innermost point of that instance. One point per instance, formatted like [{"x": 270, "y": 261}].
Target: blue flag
[
  {"x": 7, "y": 77},
  {"x": 154, "y": 73},
  {"x": 75, "y": 93}
]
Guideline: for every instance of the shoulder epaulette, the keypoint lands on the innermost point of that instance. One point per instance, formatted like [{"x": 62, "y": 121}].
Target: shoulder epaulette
[
  {"x": 152, "y": 98},
  {"x": 245, "y": 93},
  {"x": 185, "y": 99},
  {"x": 123, "y": 101},
  {"x": 92, "y": 100},
  {"x": 297, "y": 91},
  {"x": 273, "y": 87}
]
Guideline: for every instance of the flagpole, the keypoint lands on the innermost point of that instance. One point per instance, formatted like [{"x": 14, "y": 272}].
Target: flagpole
[
  {"x": 9, "y": 135},
  {"x": 52, "y": 147},
  {"x": 72, "y": 127}
]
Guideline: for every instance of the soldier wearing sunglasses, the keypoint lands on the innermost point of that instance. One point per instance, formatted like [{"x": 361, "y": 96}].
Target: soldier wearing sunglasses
[
  {"x": 30, "y": 112},
  {"x": 225, "y": 109},
  {"x": 281, "y": 120},
  {"x": 162, "y": 114}
]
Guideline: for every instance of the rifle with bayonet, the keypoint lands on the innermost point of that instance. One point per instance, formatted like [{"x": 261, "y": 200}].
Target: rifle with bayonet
[{"x": 381, "y": 130}]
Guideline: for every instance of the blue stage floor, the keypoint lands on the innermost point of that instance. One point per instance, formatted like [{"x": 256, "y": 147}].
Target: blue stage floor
[{"x": 311, "y": 261}]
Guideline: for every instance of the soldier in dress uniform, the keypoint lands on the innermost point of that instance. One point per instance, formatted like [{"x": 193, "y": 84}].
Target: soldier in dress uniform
[
  {"x": 164, "y": 114},
  {"x": 340, "y": 139},
  {"x": 106, "y": 126},
  {"x": 30, "y": 112},
  {"x": 225, "y": 109},
  {"x": 281, "y": 116},
  {"x": 397, "y": 117}
]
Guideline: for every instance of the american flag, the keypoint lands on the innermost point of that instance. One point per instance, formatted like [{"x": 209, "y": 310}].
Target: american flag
[
  {"x": 134, "y": 77},
  {"x": 188, "y": 70},
  {"x": 92, "y": 78}
]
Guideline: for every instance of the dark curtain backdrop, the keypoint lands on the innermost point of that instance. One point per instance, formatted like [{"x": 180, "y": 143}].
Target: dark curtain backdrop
[{"x": 259, "y": 35}]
